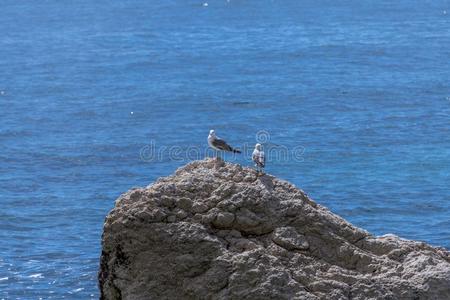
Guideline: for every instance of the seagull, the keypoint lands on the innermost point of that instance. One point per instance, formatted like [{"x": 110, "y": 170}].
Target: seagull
[
  {"x": 259, "y": 158},
  {"x": 219, "y": 144}
]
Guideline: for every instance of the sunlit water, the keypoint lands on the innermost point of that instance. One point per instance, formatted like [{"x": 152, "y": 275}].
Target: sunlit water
[{"x": 85, "y": 86}]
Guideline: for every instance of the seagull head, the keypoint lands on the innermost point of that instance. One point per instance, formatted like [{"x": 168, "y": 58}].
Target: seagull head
[
  {"x": 258, "y": 146},
  {"x": 212, "y": 132}
]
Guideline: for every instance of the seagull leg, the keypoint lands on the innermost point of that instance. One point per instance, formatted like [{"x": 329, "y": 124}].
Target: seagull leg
[
  {"x": 258, "y": 170},
  {"x": 217, "y": 155}
]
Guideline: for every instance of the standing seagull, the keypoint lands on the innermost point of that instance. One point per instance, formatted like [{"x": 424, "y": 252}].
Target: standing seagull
[
  {"x": 259, "y": 158},
  {"x": 219, "y": 144}
]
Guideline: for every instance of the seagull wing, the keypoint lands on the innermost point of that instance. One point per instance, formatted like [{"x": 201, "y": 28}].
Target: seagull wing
[
  {"x": 259, "y": 158},
  {"x": 255, "y": 156},
  {"x": 262, "y": 159},
  {"x": 221, "y": 145}
]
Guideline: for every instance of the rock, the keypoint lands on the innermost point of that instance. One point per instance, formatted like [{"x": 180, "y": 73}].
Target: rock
[
  {"x": 215, "y": 230},
  {"x": 289, "y": 238},
  {"x": 223, "y": 220},
  {"x": 184, "y": 203},
  {"x": 199, "y": 208}
]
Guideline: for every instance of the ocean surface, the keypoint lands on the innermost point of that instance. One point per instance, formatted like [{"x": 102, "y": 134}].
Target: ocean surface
[{"x": 352, "y": 98}]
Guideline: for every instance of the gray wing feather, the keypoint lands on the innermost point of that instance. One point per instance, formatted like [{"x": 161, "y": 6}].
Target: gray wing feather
[{"x": 220, "y": 144}]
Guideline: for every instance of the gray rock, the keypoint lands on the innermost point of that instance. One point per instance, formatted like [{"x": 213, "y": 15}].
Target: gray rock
[
  {"x": 199, "y": 208},
  {"x": 289, "y": 238},
  {"x": 223, "y": 220},
  {"x": 215, "y": 230}
]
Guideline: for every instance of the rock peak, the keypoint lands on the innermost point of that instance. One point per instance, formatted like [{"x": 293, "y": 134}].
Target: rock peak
[{"x": 217, "y": 230}]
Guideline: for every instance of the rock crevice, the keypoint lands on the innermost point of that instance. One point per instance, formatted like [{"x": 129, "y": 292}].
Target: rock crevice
[{"x": 216, "y": 230}]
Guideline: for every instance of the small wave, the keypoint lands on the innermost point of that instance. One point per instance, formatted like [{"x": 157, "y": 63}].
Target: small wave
[
  {"x": 76, "y": 290},
  {"x": 37, "y": 275},
  {"x": 4, "y": 278}
]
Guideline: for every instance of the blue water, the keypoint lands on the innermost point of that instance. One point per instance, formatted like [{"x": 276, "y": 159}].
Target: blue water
[{"x": 361, "y": 87}]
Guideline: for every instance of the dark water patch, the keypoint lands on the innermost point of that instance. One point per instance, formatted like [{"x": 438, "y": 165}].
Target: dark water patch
[{"x": 6, "y": 134}]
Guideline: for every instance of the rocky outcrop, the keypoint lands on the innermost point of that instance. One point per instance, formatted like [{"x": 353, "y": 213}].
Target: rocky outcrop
[{"x": 216, "y": 230}]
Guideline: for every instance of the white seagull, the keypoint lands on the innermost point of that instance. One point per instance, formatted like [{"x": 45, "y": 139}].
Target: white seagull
[
  {"x": 259, "y": 158},
  {"x": 219, "y": 144}
]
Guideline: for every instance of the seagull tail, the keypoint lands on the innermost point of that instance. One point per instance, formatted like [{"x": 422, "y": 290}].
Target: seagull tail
[{"x": 236, "y": 151}]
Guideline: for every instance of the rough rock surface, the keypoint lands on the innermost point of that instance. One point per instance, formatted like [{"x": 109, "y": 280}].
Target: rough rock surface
[{"x": 216, "y": 230}]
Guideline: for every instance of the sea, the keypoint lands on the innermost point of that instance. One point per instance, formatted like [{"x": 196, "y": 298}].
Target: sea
[{"x": 350, "y": 100}]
